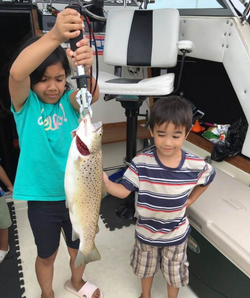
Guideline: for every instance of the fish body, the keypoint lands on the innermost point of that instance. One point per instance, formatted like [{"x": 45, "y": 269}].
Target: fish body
[{"x": 84, "y": 187}]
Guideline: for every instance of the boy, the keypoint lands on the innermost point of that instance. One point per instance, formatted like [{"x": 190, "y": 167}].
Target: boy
[{"x": 167, "y": 180}]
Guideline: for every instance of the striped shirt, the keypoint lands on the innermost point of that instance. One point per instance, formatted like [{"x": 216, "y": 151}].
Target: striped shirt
[{"x": 163, "y": 194}]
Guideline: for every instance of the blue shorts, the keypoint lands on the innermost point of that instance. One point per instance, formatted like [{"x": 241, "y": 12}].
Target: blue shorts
[{"x": 47, "y": 220}]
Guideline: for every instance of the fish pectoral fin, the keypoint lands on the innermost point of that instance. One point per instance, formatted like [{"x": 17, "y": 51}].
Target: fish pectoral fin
[
  {"x": 75, "y": 236},
  {"x": 82, "y": 259},
  {"x": 73, "y": 133}
]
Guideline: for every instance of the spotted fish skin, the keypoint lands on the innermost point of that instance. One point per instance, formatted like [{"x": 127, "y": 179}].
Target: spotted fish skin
[{"x": 84, "y": 187}]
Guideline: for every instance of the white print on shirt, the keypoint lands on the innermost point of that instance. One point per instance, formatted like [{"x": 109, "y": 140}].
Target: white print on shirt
[{"x": 52, "y": 122}]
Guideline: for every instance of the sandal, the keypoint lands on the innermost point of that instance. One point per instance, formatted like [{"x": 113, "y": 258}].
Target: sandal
[
  {"x": 86, "y": 291},
  {"x": 3, "y": 254}
]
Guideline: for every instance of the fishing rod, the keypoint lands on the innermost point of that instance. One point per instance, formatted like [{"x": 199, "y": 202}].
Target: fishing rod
[{"x": 83, "y": 96}]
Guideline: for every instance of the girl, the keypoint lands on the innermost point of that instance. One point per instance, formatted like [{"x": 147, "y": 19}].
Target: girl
[{"x": 46, "y": 112}]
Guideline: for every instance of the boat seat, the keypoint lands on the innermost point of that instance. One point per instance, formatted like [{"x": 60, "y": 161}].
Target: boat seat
[{"x": 140, "y": 38}]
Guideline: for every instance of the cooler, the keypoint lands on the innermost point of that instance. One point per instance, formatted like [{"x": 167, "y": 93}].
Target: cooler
[{"x": 219, "y": 244}]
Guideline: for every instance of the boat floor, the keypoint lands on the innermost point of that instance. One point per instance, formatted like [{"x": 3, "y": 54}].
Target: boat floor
[{"x": 112, "y": 273}]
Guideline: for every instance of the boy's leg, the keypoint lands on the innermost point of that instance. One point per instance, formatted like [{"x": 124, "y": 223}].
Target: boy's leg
[
  {"x": 144, "y": 261},
  {"x": 44, "y": 273},
  {"x": 174, "y": 266},
  {"x": 146, "y": 285},
  {"x": 77, "y": 273},
  {"x": 172, "y": 292}
]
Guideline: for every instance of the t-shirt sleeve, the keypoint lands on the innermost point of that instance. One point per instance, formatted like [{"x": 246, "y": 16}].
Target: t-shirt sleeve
[
  {"x": 130, "y": 178},
  {"x": 22, "y": 114},
  {"x": 206, "y": 175}
]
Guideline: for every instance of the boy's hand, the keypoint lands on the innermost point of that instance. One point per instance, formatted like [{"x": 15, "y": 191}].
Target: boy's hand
[
  {"x": 105, "y": 179},
  {"x": 115, "y": 189},
  {"x": 68, "y": 25},
  {"x": 83, "y": 55}
]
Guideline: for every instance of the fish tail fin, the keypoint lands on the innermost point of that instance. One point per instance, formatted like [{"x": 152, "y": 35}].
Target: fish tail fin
[
  {"x": 82, "y": 259},
  {"x": 75, "y": 236}
]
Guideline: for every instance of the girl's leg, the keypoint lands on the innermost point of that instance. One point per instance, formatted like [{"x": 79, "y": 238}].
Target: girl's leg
[
  {"x": 77, "y": 273},
  {"x": 172, "y": 292},
  {"x": 45, "y": 221},
  {"x": 44, "y": 273},
  {"x": 146, "y": 284}
]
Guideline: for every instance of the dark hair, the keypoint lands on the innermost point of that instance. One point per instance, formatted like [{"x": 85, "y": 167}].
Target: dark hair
[
  {"x": 58, "y": 55},
  {"x": 171, "y": 109}
]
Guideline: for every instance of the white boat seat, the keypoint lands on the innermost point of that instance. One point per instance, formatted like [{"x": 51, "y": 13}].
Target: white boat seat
[
  {"x": 160, "y": 85},
  {"x": 142, "y": 38}
]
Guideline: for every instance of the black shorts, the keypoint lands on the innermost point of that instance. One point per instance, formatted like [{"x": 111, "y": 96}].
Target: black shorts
[{"x": 47, "y": 219}]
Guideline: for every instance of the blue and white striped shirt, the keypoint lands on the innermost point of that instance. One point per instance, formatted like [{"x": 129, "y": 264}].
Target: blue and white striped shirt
[{"x": 163, "y": 194}]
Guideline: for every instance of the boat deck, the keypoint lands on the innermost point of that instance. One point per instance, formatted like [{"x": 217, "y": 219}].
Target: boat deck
[{"x": 112, "y": 274}]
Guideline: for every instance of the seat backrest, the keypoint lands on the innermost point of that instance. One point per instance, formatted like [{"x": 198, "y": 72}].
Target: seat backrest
[{"x": 142, "y": 37}]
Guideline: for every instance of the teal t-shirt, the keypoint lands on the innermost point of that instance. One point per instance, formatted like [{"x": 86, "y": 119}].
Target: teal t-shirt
[{"x": 44, "y": 132}]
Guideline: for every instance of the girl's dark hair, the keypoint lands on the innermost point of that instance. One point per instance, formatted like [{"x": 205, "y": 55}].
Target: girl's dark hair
[
  {"x": 171, "y": 109},
  {"x": 58, "y": 55}
]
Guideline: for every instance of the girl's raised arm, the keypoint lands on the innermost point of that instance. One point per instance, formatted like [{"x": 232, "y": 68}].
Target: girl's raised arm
[{"x": 68, "y": 25}]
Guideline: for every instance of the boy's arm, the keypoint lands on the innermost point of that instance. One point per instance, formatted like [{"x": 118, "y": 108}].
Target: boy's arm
[
  {"x": 207, "y": 177},
  {"x": 115, "y": 189},
  {"x": 5, "y": 179},
  {"x": 195, "y": 193}
]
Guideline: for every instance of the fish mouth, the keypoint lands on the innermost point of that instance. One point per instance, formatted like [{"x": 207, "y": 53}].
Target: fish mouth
[{"x": 81, "y": 147}]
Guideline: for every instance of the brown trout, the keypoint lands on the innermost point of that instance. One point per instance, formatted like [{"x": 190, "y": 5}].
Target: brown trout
[{"x": 84, "y": 187}]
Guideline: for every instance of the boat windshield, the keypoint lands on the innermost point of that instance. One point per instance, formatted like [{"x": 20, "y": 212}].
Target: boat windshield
[{"x": 202, "y": 7}]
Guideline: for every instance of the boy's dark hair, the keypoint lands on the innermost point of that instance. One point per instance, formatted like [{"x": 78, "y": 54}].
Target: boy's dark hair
[
  {"x": 58, "y": 55},
  {"x": 171, "y": 109}
]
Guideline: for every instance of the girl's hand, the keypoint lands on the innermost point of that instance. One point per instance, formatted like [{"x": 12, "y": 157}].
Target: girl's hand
[
  {"x": 68, "y": 25},
  {"x": 83, "y": 55}
]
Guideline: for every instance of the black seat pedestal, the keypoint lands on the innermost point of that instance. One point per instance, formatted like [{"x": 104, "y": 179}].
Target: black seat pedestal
[{"x": 131, "y": 105}]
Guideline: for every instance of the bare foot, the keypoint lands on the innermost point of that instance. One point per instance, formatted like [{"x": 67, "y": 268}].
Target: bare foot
[
  {"x": 143, "y": 296},
  {"x": 96, "y": 294},
  {"x": 51, "y": 295}
]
